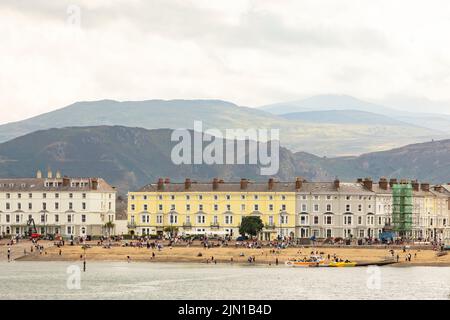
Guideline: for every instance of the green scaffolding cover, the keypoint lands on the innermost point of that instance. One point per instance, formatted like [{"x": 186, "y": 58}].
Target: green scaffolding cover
[{"x": 402, "y": 207}]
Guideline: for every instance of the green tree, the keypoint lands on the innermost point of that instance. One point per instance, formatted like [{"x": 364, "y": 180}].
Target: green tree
[
  {"x": 251, "y": 226},
  {"x": 109, "y": 226}
]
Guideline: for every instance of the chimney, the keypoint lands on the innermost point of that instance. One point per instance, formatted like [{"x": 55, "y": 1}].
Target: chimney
[
  {"x": 439, "y": 188},
  {"x": 415, "y": 185},
  {"x": 66, "y": 182},
  {"x": 336, "y": 183},
  {"x": 392, "y": 181},
  {"x": 187, "y": 184},
  {"x": 271, "y": 182},
  {"x": 39, "y": 174},
  {"x": 58, "y": 174},
  {"x": 49, "y": 174},
  {"x": 383, "y": 183},
  {"x": 425, "y": 186},
  {"x": 359, "y": 180},
  {"x": 160, "y": 184},
  {"x": 215, "y": 184},
  {"x": 244, "y": 183},
  {"x": 94, "y": 183},
  {"x": 298, "y": 183},
  {"x": 167, "y": 181},
  {"x": 368, "y": 183}
]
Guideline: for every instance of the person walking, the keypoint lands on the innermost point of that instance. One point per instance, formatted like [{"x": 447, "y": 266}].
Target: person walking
[{"x": 9, "y": 254}]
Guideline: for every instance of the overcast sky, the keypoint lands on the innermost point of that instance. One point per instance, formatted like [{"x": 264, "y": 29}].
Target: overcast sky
[{"x": 53, "y": 53}]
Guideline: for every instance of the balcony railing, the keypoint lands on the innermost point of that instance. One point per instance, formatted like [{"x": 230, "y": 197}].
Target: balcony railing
[
  {"x": 131, "y": 225},
  {"x": 187, "y": 225},
  {"x": 269, "y": 226},
  {"x": 215, "y": 225}
]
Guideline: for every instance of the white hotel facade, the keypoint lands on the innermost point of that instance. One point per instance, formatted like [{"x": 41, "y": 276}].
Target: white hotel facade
[{"x": 58, "y": 205}]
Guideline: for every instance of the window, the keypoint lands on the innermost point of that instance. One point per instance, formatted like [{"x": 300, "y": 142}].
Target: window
[
  {"x": 347, "y": 220},
  {"x": 200, "y": 207},
  {"x": 56, "y": 195},
  {"x": 216, "y": 197},
  {"x": 283, "y": 207},
  {"x": 145, "y": 207},
  {"x": 133, "y": 207},
  {"x": 159, "y": 219},
  {"x": 8, "y": 196},
  {"x": 145, "y": 197},
  {"x": 19, "y": 195},
  {"x": 328, "y": 197},
  {"x": 69, "y": 230},
  {"x": 303, "y": 220},
  {"x": 56, "y": 217},
  {"x": 348, "y": 198},
  {"x": 69, "y": 218},
  {"x": 360, "y": 220},
  {"x": 44, "y": 206},
  {"x": 283, "y": 197},
  {"x": 256, "y": 207},
  {"x": 30, "y": 195},
  {"x": 316, "y": 220},
  {"x": 284, "y": 219},
  {"x": 8, "y": 218},
  {"x": 172, "y": 197},
  {"x": 70, "y": 195},
  {"x": 56, "y": 205},
  {"x": 8, "y": 206},
  {"x": 188, "y": 197},
  {"x": 172, "y": 207},
  {"x": 160, "y": 197},
  {"x": 30, "y": 206},
  {"x": 173, "y": 218},
  {"x": 359, "y": 207},
  {"x": 83, "y": 195},
  {"x": 304, "y": 207},
  {"x": 19, "y": 206},
  {"x": 348, "y": 208},
  {"x": 329, "y": 209},
  {"x": 271, "y": 197},
  {"x": 228, "y": 197},
  {"x": 270, "y": 220},
  {"x": 270, "y": 207},
  {"x": 71, "y": 206},
  {"x": 255, "y": 197},
  {"x": 44, "y": 195},
  {"x": 328, "y": 220},
  {"x": 215, "y": 220},
  {"x": 160, "y": 207},
  {"x": 304, "y": 197},
  {"x": 188, "y": 207},
  {"x": 228, "y": 219},
  {"x": 216, "y": 207},
  {"x": 200, "y": 219},
  {"x": 200, "y": 197},
  {"x": 17, "y": 218},
  {"x": 316, "y": 208},
  {"x": 42, "y": 218},
  {"x": 83, "y": 218},
  {"x": 242, "y": 196},
  {"x": 242, "y": 207},
  {"x": 228, "y": 207},
  {"x": 316, "y": 197}
]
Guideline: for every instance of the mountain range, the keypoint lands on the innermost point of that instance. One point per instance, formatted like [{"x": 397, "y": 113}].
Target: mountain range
[
  {"x": 132, "y": 157},
  {"x": 325, "y": 125}
]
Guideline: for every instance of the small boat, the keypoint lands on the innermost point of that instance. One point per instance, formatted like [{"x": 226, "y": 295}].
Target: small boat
[
  {"x": 313, "y": 261},
  {"x": 342, "y": 264}
]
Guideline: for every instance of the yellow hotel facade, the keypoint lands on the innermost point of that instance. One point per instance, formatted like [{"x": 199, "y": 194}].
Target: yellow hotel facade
[{"x": 213, "y": 208}]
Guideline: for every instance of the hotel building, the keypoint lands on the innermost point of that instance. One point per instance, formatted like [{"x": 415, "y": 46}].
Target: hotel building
[
  {"x": 58, "y": 205},
  {"x": 299, "y": 209}
]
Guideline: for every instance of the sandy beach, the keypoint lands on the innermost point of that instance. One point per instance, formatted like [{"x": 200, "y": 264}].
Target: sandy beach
[{"x": 230, "y": 254}]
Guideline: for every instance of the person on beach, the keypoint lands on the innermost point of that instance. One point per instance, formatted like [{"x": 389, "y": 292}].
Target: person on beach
[
  {"x": 128, "y": 259},
  {"x": 9, "y": 254}
]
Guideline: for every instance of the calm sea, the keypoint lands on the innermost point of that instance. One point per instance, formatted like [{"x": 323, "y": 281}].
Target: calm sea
[{"x": 121, "y": 280}]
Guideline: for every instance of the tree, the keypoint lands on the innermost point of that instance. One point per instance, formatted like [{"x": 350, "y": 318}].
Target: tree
[
  {"x": 109, "y": 226},
  {"x": 251, "y": 226}
]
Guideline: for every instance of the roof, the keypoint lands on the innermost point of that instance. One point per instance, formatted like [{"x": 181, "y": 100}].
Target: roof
[
  {"x": 55, "y": 184},
  {"x": 306, "y": 187}
]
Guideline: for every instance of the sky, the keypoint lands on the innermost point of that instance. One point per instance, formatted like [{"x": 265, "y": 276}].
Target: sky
[{"x": 252, "y": 53}]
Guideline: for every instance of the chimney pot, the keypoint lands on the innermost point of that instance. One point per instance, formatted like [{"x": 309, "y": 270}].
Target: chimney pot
[
  {"x": 368, "y": 184},
  {"x": 187, "y": 184},
  {"x": 244, "y": 183},
  {"x": 160, "y": 184},
  {"x": 270, "y": 183},
  {"x": 337, "y": 183},
  {"x": 215, "y": 184}
]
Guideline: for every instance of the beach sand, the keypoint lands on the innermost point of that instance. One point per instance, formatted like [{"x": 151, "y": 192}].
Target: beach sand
[{"x": 227, "y": 254}]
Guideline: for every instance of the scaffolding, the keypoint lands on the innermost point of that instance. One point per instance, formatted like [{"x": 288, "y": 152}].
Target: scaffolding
[{"x": 402, "y": 199}]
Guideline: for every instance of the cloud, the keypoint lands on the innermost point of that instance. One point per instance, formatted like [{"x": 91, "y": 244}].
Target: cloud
[{"x": 249, "y": 52}]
